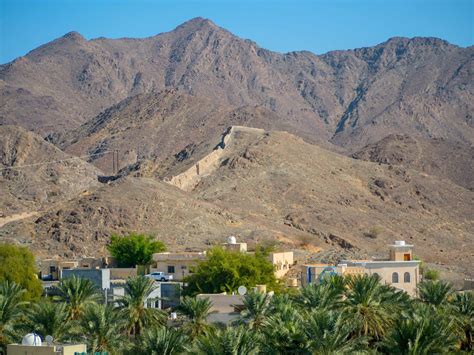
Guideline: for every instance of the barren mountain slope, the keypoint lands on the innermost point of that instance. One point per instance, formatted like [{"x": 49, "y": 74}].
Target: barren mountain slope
[
  {"x": 283, "y": 179},
  {"x": 83, "y": 225},
  {"x": 439, "y": 157},
  {"x": 157, "y": 125},
  {"x": 420, "y": 86},
  {"x": 27, "y": 183}
]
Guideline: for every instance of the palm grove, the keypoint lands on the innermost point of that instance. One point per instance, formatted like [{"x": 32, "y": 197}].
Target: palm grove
[{"x": 339, "y": 315}]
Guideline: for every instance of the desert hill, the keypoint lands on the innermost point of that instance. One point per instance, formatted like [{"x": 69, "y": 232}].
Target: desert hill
[
  {"x": 28, "y": 182},
  {"x": 158, "y": 125},
  {"x": 262, "y": 185},
  {"x": 439, "y": 157},
  {"x": 419, "y": 86}
]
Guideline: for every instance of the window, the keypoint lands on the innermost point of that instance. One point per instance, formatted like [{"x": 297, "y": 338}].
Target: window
[
  {"x": 406, "y": 257},
  {"x": 406, "y": 277},
  {"x": 395, "y": 278},
  {"x": 375, "y": 274},
  {"x": 170, "y": 269}
]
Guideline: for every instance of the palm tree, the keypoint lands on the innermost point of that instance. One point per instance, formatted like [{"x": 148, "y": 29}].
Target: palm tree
[
  {"x": 162, "y": 341},
  {"x": 196, "y": 310},
  {"x": 284, "y": 331},
  {"x": 77, "y": 293},
  {"x": 422, "y": 331},
  {"x": 102, "y": 328},
  {"x": 47, "y": 318},
  {"x": 138, "y": 291},
  {"x": 229, "y": 341},
  {"x": 463, "y": 311},
  {"x": 323, "y": 296},
  {"x": 256, "y": 309},
  {"x": 328, "y": 333},
  {"x": 11, "y": 309},
  {"x": 436, "y": 293},
  {"x": 371, "y": 306}
]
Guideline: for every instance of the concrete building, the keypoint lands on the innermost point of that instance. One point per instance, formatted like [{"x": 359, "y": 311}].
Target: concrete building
[
  {"x": 398, "y": 270},
  {"x": 52, "y": 268},
  {"x": 179, "y": 265},
  {"x": 32, "y": 344},
  {"x": 225, "y": 308},
  {"x": 232, "y": 245},
  {"x": 282, "y": 261}
]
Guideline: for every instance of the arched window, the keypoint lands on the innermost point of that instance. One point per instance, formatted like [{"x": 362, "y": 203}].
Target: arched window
[
  {"x": 377, "y": 275},
  {"x": 395, "y": 277},
  {"x": 406, "y": 277}
]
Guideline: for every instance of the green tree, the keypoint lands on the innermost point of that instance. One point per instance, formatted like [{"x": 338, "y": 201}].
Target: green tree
[
  {"x": 102, "y": 328},
  {"x": 229, "y": 341},
  {"x": 322, "y": 296},
  {"x": 12, "y": 308},
  {"x": 162, "y": 341},
  {"x": 17, "y": 264},
  {"x": 328, "y": 333},
  {"x": 196, "y": 310},
  {"x": 436, "y": 293},
  {"x": 225, "y": 271},
  {"x": 256, "y": 309},
  {"x": 422, "y": 331},
  {"x": 371, "y": 306},
  {"x": 431, "y": 274},
  {"x": 48, "y": 318},
  {"x": 77, "y": 293},
  {"x": 132, "y": 305},
  {"x": 284, "y": 331},
  {"x": 462, "y": 308},
  {"x": 134, "y": 249}
]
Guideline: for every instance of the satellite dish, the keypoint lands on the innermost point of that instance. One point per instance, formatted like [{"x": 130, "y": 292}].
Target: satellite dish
[
  {"x": 49, "y": 339},
  {"x": 271, "y": 293},
  {"x": 31, "y": 339},
  {"x": 242, "y": 290}
]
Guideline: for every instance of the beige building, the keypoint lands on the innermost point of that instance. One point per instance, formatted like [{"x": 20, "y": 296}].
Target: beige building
[
  {"x": 398, "y": 270},
  {"x": 53, "y": 267},
  {"x": 32, "y": 345},
  {"x": 282, "y": 261},
  {"x": 232, "y": 245},
  {"x": 179, "y": 265}
]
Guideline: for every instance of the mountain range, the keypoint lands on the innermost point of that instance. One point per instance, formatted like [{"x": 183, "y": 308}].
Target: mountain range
[{"x": 343, "y": 152}]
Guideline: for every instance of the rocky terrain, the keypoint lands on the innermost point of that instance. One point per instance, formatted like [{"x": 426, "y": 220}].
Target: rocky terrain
[
  {"x": 333, "y": 155},
  {"x": 28, "y": 182},
  {"x": 419, "y": 86}
]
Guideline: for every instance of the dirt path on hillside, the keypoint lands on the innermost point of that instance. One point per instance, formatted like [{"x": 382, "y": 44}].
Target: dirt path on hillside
[{"x": 16, "y": 217}]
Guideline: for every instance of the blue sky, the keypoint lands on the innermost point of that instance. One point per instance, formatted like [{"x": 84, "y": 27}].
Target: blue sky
[{"x": 315, "y": 25}]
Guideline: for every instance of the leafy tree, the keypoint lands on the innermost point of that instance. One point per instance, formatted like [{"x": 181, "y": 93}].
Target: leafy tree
[
  {"x": 196, "y": 310},
  {"x": 102, "y": 328},
  {"x": 48, "y": 318},
  {"x": 134, "y": 249},
  {"x": 77, "y": 293},
  {"x": 436, "y": 293},
  {"x": 225, "y": 271},
  {"x": 162, "y": 341},
  {"x": 11, "y": 309},
  {"x": 323, "y": 296},
  {"x": 463, "y": 312},
  {"x": 256, "y": 309},
  {"x": 422, "y": 331},
  {"x": 371, "y": 306},
  {"x": 132, "y": 305},
  {"x": 17, "y": 264},
  {"x": 328, "y": 333},
  {"x": 284, "y": 331},
  {"x": 229, "y": 341},
  {"x": 431, "y": 274}
]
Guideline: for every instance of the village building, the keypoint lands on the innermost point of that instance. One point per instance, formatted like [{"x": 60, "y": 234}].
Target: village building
[
  {"x": 398, "y": 270},
  {"x": 32, "y": 344},
  {"x": 179, "y": 265}
]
